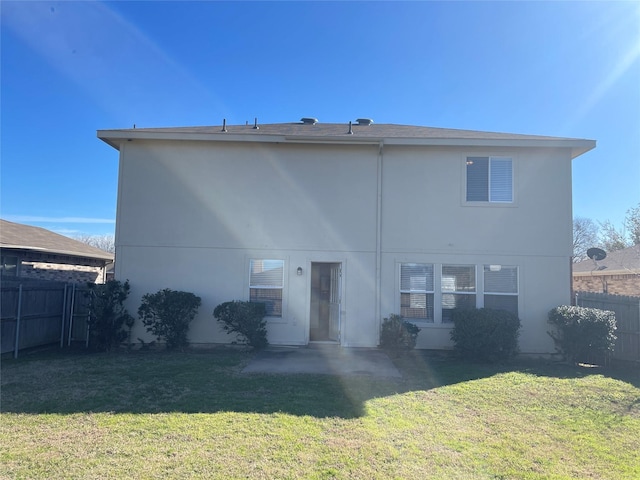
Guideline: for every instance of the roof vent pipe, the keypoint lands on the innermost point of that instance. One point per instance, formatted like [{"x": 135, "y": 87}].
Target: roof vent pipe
[
  {"x": 255, "y": 124},
  {"x": 224, "y": 124},
  {"x": 309, "y": 120},
  {"x": 364, "y": 121},
  {"x": 350, "y": 132}
]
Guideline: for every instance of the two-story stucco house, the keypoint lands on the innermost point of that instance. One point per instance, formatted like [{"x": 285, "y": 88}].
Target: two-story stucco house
[{"x": 335, "y": 226}]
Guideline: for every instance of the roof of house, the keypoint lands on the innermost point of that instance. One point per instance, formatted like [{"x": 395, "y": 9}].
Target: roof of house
[
  {"x": 359, "y": 132},
  {"x": 620, "y": 262},
  {"x": 16, "y": 236}
]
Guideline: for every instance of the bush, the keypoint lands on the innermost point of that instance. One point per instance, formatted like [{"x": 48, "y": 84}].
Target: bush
[
  {"x": 167, "y": 315},
  {"x": 246, "y": 320},
  {"x": 108, "y": 317},
  {"x": 582, "y": 334},
  {"x": 485, "y": 334},
  {"x": 398, "y": 334}
]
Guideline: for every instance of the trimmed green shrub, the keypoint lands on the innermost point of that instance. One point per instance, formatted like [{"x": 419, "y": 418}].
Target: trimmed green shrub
[
  {"x": 167, "y": 315},
  {"x": 583, "y": 334},
  {"x": 485, "y": 334},
  {"x": 246, "y": 320},
  {"x": 107, "y": 315},
  {"x": 397, "y": 333}
]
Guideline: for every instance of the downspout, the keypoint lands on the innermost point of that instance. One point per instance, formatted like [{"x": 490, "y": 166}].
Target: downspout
[
  {"x": 379, "y": 237},
  {"x": 116, "y": 243}
]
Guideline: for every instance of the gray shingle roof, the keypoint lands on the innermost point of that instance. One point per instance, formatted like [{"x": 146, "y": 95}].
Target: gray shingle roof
[
  {"x": 16, "y": 236},
  {"x": 339, "y": 132},
  {"x": 624, "y": 261},
  {"x": 376, "y": 130}
]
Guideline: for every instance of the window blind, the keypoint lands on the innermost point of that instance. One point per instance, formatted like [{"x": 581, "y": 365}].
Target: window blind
[
  {"x": 266, "y": 273},
  {"x": 416, "y": 277},
  {"x": 489, "y": 179},
  {"x": 456, "y": 278},
  {"x": 500, "y": 279},
  {"x": 501, "y": 180},
  {"x": 477, "y": 179}
]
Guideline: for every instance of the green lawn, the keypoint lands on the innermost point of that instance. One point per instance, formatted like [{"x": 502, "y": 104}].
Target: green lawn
[{"x": 194, "y": 415}]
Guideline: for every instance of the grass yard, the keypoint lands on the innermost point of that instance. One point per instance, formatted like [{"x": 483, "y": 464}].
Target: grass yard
[{"x": 194, "y": 415}]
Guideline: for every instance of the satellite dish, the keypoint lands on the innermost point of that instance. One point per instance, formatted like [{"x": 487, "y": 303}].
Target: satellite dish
[{"x": 596, "y": 254}]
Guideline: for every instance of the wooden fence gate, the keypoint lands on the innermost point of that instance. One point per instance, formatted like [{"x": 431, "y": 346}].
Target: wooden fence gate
[
  {"x": 33, "y": 314},
  {"x": 627, "y": 310}
]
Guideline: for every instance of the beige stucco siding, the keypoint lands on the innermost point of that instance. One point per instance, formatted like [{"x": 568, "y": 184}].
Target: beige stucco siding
[
  {"x": 192, "y": 214},
  {"x": 220, "y": 275},
  {"x": 206, "y": 212},
  {"x": 542, "y": 286},
  {"x": 424, "y": 207},
  {"x": 237, "y": 196}
]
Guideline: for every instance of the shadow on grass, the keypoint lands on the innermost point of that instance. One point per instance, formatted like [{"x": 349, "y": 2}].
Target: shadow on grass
[
  {"x": 420, "y": 363},
  {"x": 211, "y": 381}
]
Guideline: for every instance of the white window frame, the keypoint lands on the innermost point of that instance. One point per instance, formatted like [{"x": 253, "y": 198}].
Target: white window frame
[
  {"x": 489, "y": 200},
  {"x": 414, "y": 291},
  {"x": 257, "y": 286}
]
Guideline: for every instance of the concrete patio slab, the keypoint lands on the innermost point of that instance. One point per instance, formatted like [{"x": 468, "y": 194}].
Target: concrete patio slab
[{"x": 323, "y": 360}]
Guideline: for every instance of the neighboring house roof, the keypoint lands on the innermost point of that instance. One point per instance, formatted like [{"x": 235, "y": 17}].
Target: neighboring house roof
[
  {"x": 307, "y": 132},
  {"x": 19, "y": 237},
  {"x": 620, "y": 262}
]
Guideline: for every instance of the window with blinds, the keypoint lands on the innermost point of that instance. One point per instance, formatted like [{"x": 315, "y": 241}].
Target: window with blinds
[
  {"x": 266, "y": 281},
  {"x": 501, "y": 288},
  {"x": 490, "y": 179},
  {"x": 416, "y": 291},
  {"x": 458, "y": 285}
]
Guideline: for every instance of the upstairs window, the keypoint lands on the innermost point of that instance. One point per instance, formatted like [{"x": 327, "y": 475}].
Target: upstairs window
[
  {"x": 490, "y": 179},
  {"x": 266, "y": 281},
  {"x": 416, "y": 291}
]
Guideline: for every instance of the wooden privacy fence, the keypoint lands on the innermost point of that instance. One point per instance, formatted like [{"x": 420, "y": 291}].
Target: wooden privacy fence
[
  {"x": 627, "y": 310},
  {"x": 34, "y": 314}
]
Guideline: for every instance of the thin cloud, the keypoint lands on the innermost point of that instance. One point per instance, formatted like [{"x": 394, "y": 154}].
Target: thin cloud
[
  {"x": 103, "y": 53},
  {"x": 35, "y": 219}
]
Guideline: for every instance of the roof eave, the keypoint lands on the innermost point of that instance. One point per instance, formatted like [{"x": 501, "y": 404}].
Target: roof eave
[
  {"x": 107, "y": 257},
  {"x": 114, "y": 138}
]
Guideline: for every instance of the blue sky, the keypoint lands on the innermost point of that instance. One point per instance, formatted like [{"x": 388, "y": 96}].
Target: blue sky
[{"x": 70, "y": 68}]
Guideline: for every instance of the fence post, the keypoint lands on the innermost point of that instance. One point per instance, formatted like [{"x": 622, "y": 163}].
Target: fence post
[
  {"x": 17, "y": 338},
  {"x": 86, "y": 345},
  {"x": 64, "y": 311},
  {"x": 73, "y": 298}
]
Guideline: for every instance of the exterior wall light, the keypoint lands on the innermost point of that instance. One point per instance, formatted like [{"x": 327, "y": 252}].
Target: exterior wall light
[{"x": 299, "y": 271}]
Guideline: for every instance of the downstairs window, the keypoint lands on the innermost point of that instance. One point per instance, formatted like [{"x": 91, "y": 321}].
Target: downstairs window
[{"x": 266, "y": 282}]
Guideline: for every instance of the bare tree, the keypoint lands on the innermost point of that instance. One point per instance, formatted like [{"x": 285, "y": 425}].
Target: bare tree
[
  {"x": 587, "y": 233},
  {"x": 632, "y": 224},
  {"x": 612, "y": 239},
  {"x": 585, "y": 236},
  {"x": 104, "y": 242}
]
